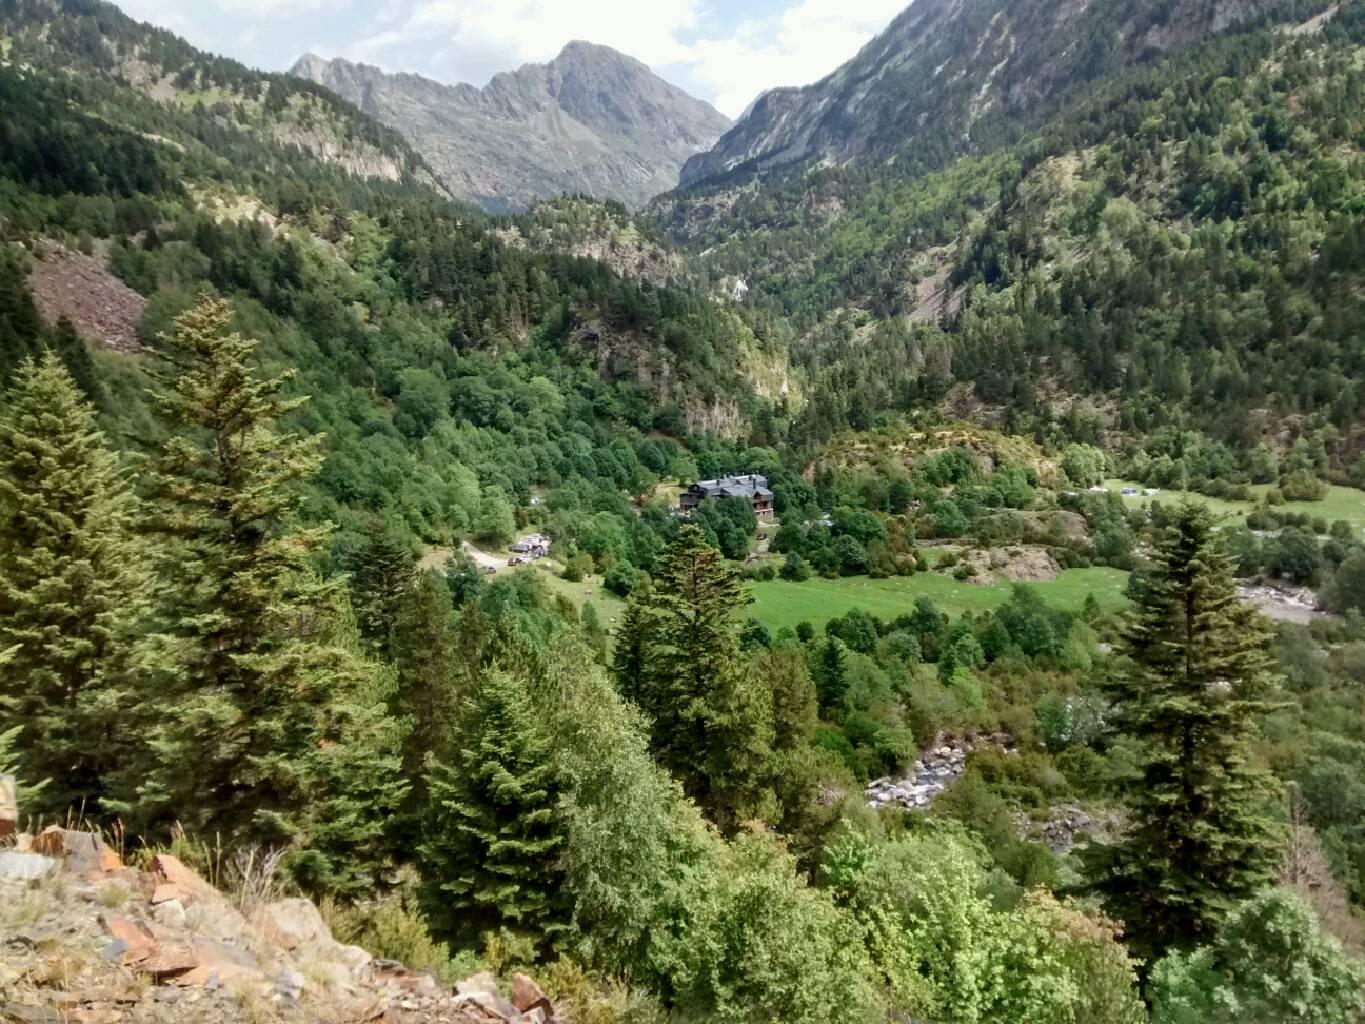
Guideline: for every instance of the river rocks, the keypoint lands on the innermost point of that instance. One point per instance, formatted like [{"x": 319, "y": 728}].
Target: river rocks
[
  {"x": 935, "y": 770},
  {"x": 1285, "y": 603},
  {"x": 1066, "y": 826}
]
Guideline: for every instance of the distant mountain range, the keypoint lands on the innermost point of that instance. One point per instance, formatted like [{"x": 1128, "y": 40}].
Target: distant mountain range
[{"x": 591, "y": 121}]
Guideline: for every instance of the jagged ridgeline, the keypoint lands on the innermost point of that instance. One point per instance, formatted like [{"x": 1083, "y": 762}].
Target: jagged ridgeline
[
  {"x": 452, "y": 363},
  {"x": 592, "y": 120}
]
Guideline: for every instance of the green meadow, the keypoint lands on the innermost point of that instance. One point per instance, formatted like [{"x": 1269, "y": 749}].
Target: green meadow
[
  {"x": 779, "y": 603},
  {"x": 1341, "y": 503}
]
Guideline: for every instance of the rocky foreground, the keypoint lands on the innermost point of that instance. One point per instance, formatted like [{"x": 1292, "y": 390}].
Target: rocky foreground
[{"x": 85, "y": 938}]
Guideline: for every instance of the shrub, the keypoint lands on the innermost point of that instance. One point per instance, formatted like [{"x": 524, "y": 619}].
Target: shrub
[
  {"x": 394, "y": 929},
  {"x": 578, "y": 566},
  {"x": 751, "y": 942},
  {"x": 1301, "y": 485},
  {"x": 795, "y": 569},
  {"x": 1294, "y": 554},
  {"x": 621, "y": 579}
]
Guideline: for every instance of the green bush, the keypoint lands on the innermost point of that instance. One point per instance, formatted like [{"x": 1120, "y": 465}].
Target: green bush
[
  {"x": 394, "y": 929},
  {"x": 1271, "y": 961}
]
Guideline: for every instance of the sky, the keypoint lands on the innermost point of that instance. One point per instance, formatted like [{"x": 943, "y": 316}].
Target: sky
[{"x": 723, "y": 51}]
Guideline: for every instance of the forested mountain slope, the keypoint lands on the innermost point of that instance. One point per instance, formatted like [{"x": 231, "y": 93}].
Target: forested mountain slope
[
  {"x": 591, "y": 121},
  {"x": 1178, "y": 246},
  {"x": 451, "y": 371},
  {"x": 952, "y": 76},
  {"x": 96, "y": 39}
]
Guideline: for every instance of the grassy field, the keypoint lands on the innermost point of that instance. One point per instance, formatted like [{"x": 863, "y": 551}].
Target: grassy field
[
  {"x": 1341, "y": 503},
  {"x": 816, "y": 601},
  {"x": 609, "y": 606}
]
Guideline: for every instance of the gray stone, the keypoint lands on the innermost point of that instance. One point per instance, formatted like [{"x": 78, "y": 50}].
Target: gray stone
[
  {"x": 291, "y": 923},
  {"x": 353, "y": 957},
  {"x": 171, "y": 913},
  {"x": 290, "y": 984},
  {"x": 26, "y": 867}
]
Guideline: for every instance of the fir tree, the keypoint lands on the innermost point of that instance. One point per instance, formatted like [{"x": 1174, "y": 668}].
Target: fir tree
[
  {"x": 830, "y": 678},
  {"x": 428, "y": 662},
  {"x": 72, "y": 587},
  {"x": 1200, "y": 839},
  {"x": 712, "y": 719},
  {"x": 492, "y": 836},
  {"x": 26, "y": 789},
  {"x": 274, "y": 725},
  {"x": 383, "y": 569},
  {"x": 632, "y": 640}
]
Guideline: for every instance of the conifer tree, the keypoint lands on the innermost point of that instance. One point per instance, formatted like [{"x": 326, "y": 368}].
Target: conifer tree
[
  {"x": 26, "y": 789},
  {"x": 72, "y": 588},
  {"x": 1201, "y": 838},
  {"x": 271, "y": 723},
  {"x": 632, "y": 640},
  {"x": 492, "y": 834},
  {"x": 383, "y": 569},
  {"x": 711, "y": 718},
  {"x": 428, "y": 663}
]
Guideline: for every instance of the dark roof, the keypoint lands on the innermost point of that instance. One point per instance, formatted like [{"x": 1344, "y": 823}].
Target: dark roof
[{"x": 750, "y": 486}]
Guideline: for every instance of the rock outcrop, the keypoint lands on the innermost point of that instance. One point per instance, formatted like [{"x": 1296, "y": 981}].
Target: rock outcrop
[
  {"x": 84, "y": 938},
  {"x": 591, "y": 121}
]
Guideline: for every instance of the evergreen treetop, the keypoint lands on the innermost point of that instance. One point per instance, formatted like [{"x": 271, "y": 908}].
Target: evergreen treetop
[
  {"x": 1202, "y": 836},
  {"x": 73, "y": 586},
  {"x": 493, "y": 835}
]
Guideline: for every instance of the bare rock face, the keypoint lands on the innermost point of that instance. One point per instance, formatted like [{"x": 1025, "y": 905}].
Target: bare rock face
[
  {"x": 103, "y": 309},
  {"x": 946, "y": 68},
  {"x": 591, "y": 121},
  {"x": 291, "y": 923}
]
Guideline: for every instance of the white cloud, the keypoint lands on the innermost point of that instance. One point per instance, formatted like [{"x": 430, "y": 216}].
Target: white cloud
[
  {"x": 802, "y": 45},
  {"x": 721, "y": 50},
  {"x": 477, "y": 38}
]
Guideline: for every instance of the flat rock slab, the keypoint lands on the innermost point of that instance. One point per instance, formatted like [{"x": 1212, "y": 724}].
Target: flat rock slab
[{"x": 26, "y": 867}]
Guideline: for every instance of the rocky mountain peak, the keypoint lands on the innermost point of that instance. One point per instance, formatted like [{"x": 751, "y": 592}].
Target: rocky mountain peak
[{"x": 592, "y": 120}]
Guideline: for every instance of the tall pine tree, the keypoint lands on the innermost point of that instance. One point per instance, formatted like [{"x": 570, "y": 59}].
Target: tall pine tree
[
  {"x": 711, "y": 717},
  {"x": 1202, "y": 838},
  {"x": 383, "y": 569},
  {"x": 72, "y": 589},
  {"x": 492, "y": 833},
  {"x": 271, "y": 723}
]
